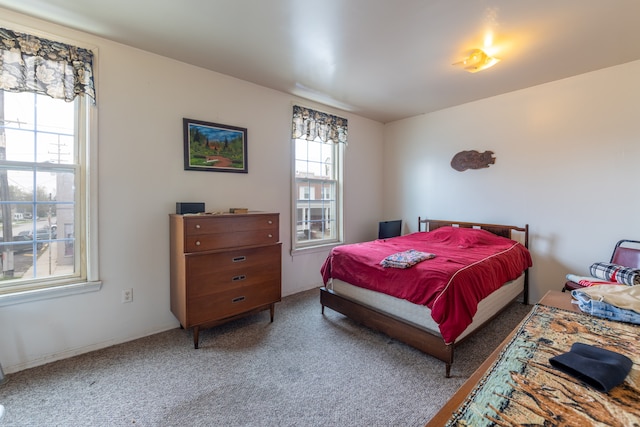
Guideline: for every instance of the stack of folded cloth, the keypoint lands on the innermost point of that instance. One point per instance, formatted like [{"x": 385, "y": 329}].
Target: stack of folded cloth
[
  {"x": 621, "y": 303},
  {"x": 405, "y": 259},
  {"x": 589, "y": 280},
  {"x": 606, "y": 273},
  {"x": 600, "y": 368}
]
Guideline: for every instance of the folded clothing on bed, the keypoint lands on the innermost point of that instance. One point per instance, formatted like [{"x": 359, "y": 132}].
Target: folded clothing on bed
[
  {"x": 616, "y": 273},
  {"x": 600, "y": 368},
  {"x": 406, "y": 259}
]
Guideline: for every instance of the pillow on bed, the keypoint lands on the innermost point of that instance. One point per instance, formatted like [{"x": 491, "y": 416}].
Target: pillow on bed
[{"x": 465, "y": 237}]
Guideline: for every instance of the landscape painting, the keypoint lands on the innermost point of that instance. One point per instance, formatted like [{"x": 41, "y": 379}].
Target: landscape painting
[{"x": 214, "y": 147}]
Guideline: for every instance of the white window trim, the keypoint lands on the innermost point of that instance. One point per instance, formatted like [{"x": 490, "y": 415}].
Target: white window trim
[
  {"x": 49, "y": 293},
  {"x": 90, "y": 180},
  {"x": 326, "y": 245}
]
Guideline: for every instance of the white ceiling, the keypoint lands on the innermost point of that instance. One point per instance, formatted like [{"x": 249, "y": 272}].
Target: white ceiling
[{"x": 382, "y": 59}]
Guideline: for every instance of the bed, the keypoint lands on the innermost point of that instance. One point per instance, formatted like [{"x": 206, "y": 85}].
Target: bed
[{"x": 477, "y": 271}]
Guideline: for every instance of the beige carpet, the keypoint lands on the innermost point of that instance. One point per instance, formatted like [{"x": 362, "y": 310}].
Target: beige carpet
[{"x": 305, "y": 369}]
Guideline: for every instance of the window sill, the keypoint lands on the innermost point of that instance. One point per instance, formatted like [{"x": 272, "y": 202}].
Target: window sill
[
  {"x": 313, "y": 249},
  {"x": 49, "y": 293}
]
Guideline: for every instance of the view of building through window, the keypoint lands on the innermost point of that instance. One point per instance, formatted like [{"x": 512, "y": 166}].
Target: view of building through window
[
  {"x": 38, "y": 173},
  {"x": 316, "y": 181}
]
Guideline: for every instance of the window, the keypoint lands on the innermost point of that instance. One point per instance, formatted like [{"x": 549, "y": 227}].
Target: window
[
  {"x": 44, "y": 145},
  {"x": 318, "y": 144}
]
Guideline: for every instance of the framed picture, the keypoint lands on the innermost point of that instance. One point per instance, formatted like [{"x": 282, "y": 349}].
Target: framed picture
[{"x": 213, "y": 147}]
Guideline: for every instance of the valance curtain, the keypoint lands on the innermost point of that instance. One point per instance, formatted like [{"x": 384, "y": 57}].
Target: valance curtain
[
  {"x": 33, "y": 64},
  {"x": 310, "y": 124}
]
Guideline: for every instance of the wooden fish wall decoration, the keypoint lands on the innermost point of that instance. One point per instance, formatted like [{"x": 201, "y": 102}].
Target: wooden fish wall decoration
[{"x": 472, "y": 159}]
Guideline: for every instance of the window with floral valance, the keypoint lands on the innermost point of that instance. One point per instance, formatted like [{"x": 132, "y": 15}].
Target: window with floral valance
[
  {"x": 47, "y": 95},
  {"x": 311, "y": 124},
  {"x": 318, "y": 144},
  {"x": 33, "y": 64}
]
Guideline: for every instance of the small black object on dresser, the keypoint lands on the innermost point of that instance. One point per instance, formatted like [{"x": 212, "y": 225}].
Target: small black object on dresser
[{"x": 189, "y": 207}]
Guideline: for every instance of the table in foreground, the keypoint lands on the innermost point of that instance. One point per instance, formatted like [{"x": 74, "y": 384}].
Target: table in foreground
[{"x": 554, "y": 312}]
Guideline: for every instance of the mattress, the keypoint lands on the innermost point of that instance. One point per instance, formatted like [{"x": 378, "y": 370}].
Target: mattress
[{"x": 420, "y": 315}]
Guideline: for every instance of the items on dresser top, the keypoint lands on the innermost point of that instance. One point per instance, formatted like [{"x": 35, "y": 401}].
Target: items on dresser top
[
  {"x": 223, "y": 267},
  {"x": 189, "y": 207}
]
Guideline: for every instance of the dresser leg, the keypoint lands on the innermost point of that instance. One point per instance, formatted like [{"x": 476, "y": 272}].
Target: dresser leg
[
  {"x": 196, "y": 336},
  {"x": 272, "y": 310}
]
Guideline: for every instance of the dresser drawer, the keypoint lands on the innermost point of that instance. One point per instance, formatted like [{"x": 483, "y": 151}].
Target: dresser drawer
[
  {"x": 210, "y": 242},
  {"x": 233, "y": 301},
  {"x": 205, "y": 233},
  {"x": 204, "y": 224},
  {"x": 217, "y": 272},
  {"x": 227, "y": 283}
]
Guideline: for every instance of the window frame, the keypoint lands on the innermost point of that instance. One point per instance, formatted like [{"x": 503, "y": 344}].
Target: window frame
[
  {"x": 338, "y": 167},
  {"x": 86, "y": 279}
]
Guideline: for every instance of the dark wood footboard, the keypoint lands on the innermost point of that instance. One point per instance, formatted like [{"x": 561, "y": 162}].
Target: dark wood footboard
[{"x": 407, "y": 333}]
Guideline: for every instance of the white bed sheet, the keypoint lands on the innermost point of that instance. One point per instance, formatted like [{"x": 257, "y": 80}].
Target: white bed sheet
[{"x": 421, "y": 315}]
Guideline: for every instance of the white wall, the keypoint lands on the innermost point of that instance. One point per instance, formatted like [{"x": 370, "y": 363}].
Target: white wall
[
  {"x": 567, "y": 164},
  {"x": 142, "y": 99}
]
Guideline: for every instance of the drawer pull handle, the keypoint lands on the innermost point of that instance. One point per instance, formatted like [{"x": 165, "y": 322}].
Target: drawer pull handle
[
  {"x": 197, "y": 225},
  {"x": 238, "y": 278},
  {"x": 270, "y": 222},
  {"x": 270, "y": 235},
  {"x": 237, "y": 299},
  {"x": 239, "y": 259},
  {"x": 197, "y": 242}
]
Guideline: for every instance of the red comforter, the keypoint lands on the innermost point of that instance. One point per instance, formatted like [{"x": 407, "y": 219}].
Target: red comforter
[{"x": 469, "y": 265}]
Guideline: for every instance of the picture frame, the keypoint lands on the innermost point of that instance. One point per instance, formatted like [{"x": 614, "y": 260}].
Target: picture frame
[{"x": 214, "y": 147}]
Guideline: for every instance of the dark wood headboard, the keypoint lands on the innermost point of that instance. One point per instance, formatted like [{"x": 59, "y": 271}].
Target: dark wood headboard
[{"x": 497, "y": 229}]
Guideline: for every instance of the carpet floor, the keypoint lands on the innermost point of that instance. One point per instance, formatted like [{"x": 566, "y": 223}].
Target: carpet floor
[{"x": 304, "y": 369}]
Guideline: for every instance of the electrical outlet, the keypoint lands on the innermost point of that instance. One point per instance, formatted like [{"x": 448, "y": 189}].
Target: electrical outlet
[{"x": 127, "y": 295}]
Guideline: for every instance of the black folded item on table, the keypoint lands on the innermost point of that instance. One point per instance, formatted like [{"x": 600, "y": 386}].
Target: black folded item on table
[{"x": 597, "y": 367}]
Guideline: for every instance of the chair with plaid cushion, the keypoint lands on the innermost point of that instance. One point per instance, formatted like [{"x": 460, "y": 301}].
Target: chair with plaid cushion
[{"x": 626, "y": 253}]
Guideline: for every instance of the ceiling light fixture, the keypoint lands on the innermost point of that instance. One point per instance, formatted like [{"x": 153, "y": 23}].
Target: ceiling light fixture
[{"x": 477, "y": 60}]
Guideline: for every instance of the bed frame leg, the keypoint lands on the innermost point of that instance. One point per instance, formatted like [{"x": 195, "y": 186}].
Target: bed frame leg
[{"x": 447, "y": 370}]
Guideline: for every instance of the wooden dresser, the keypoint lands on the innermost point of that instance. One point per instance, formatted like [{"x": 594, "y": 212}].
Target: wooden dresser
[{"x": 223, "y": 267}]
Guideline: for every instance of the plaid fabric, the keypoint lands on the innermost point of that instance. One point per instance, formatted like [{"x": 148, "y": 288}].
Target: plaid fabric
[
  {"x": 405, "y": 259},
  {"x": 616, "y": 273}
]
